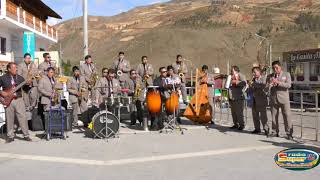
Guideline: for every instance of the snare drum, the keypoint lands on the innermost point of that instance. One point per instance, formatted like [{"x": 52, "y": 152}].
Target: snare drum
[{"x": 125, "y": 101}]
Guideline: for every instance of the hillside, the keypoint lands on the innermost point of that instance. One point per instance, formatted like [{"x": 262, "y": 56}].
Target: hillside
[{"x": 204, "y": 33}]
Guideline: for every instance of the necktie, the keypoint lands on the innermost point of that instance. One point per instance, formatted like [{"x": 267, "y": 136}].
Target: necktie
[
  {"x": 109, "y": 89},
  {"x": 89, "y": 66},
  {"x": 13, "y": 83}
]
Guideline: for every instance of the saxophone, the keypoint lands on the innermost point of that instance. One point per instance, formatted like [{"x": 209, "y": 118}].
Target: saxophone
[
  {"x": 56, "y": 96},
  {"x": 82, "y": 91},
  {"x": 137, "y": 92},
  {"x": 93, "y": 79}
]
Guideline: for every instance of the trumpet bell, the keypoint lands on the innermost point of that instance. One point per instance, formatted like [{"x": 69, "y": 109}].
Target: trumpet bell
[{"x": 119, "y": 73}]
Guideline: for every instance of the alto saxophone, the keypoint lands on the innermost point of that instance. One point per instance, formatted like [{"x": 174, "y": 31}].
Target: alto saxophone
[
  {"x": 93, "y": 79},
  {"x": 137, "y": 92},
  {"x": 56, "y": 96},
  {"x": 82, "y": 90}
]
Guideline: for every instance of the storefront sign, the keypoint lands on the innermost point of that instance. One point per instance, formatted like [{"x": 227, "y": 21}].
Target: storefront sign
[
  {"x": 302, "y": 56},
  {"x": 29, "y": 43}
]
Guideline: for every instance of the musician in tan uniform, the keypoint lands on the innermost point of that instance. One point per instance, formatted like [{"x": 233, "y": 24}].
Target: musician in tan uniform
[
  {"x": 46, "y": 64},
  {"x": 260, "y": 101},
  {"x": 145, "y": 71},
  {"x": 160, "y": 81},
  {"x": 27, "y": 69},
  {"x": 280, "y": 83},
  {"x": 88, "y": 71},
  {"x": 181, "y": 68},
  {"x": 121, "y": 66},
  {"x": 78, "y": 94},
  {"x": 136, "y": 90},
  {"x": 237, "y": 97},
  {"x": 107, "y": 86},
  {"x": 16, "y": 109},
  {"x": 48, "y": 87}
]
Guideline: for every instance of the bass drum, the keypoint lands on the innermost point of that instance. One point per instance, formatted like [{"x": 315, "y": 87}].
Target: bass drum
[{"x": 99, "y": 124}]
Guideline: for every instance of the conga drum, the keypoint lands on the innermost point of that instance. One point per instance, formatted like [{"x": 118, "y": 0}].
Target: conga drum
[
  {"x": 172, "y": 104},
  {"x": 153, "y": 100}
]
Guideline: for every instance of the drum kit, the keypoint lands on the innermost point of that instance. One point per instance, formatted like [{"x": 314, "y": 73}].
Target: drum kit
[{"x": 106, "y": 124}]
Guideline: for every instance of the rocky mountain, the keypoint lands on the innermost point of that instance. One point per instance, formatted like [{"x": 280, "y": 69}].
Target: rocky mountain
[{"x": 209, "y": 32}]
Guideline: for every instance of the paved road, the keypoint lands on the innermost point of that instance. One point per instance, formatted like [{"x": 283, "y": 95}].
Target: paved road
[{"x": 217, "y": 153}]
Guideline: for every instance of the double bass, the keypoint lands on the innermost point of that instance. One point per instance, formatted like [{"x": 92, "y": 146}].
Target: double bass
[{"x": 199, "y": 110}]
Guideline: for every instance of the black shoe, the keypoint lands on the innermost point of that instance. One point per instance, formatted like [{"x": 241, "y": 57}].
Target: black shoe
[
  {"x": 289, "y": 137},
  {"x": 27, "y": 139},
  {"x": 266, "y": 132},
  {"x": 256, "y": 132},
  {"x": 240, "y": 128},
  {"x": 273, "y": 134},
  {"x": 9, "y": 140},
  {"x": 179, "y": 120},
  {"x": 234, "y": 127},
  {"x": 132, "y": 123}
]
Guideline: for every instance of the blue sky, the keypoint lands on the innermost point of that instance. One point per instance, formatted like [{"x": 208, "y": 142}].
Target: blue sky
[{"x": 73, "y": 8}]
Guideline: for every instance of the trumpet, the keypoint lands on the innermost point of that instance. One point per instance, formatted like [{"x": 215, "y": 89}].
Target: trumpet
[
  {"x": 181, "y": 75},
  {"x": 119, "y": 73}
]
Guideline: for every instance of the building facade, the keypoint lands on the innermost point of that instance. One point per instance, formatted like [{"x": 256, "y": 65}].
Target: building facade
[{"x": 19, "y": 16}]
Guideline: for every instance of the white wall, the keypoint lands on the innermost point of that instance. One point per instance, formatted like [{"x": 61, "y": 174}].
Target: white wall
[{"x": 5, "y": 33}]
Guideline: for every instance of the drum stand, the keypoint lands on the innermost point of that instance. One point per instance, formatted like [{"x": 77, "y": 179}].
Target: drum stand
[{"x": 172, "y": 123}]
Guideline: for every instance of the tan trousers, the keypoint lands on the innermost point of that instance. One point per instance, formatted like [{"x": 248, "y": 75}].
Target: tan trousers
[
  {"x": 30, "y": 98},
  {"x": 17, "y": 110},
  {"x": 285, "y": 109}
]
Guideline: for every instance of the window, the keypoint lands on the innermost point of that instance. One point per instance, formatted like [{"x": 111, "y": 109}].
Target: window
[
  {"x": 314, "y": 71},
  {"x": 3, "y": 45}
]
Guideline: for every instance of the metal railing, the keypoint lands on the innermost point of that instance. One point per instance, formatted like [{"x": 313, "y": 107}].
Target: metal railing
[{"x": 303, "y": 109}]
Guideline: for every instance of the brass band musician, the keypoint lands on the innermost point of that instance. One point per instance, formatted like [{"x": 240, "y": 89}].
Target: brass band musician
[
  {"x": 237, "y": 98},
  {"x": 89, "y": 72},
  {"x": 48, "y": 87},
  {"x": 78, "y": 94},
  {"x": 28, "y": 69},
  {"x": 107, "y": 86},
  {"x": 260, "y": 101},
  {"x": 122, "y": 68},
  {"x": 145, "y": 70},
  {"x": 181, "y": 69},
  {"x": 43, "y": 67},
  {"x": 136, "y": 89}
]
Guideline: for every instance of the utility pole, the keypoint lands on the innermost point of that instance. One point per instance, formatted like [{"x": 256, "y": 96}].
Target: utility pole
[{"x": 85, "y": 28}]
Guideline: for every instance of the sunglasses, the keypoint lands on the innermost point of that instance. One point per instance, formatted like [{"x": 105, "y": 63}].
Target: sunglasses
[
  {"x": 105, "y": 72},
  {"x": 163, "y": 71}
]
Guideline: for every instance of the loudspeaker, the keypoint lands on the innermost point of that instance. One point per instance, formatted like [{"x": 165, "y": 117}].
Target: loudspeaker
[{"x": 37, "y": 123}]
